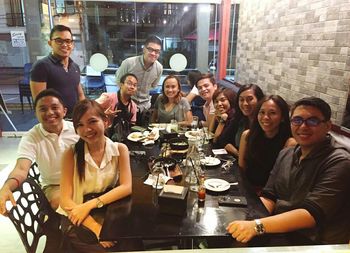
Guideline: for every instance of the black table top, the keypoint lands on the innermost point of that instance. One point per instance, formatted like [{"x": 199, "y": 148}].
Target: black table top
[{"x": 138, "y": 216}]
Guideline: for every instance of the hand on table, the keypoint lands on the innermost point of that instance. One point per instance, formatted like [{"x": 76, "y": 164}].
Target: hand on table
[
  {"x": 242, "y": 231},
  {"x": 5, "y": 195}
]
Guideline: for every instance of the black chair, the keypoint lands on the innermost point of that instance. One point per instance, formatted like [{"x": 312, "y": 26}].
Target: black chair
[
  {"x": 34, "y": 173},
  {"x": 24, "y": 86},
  {"x": 34, "y": 218}
]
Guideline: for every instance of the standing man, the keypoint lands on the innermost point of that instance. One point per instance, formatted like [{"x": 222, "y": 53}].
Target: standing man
[
  {"x": 43, "y": 144},
  {"x": 146, "y": 68},
  {"x": 308, "y": 189},
  {"x": 206, "y": 86},
  {"x": 57, "y": 70}
]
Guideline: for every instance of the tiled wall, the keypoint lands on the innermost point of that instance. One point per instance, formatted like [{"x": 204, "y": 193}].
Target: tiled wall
[{"x": 296, "y": 48}]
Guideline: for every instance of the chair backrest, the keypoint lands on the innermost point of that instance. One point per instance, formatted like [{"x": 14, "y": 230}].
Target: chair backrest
[
  {"x": 34, "y": 173},
  {"x": 95, "y": 82},
  {"x": 26, "y": 77},
  {"x": 34, "y": 218}
]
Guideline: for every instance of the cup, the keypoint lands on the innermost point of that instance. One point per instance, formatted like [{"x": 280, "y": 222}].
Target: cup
[
  {"x": 174, "y": 125},
  {"x": 194, "y": 124},
  {"x": 158, "y": 174}
]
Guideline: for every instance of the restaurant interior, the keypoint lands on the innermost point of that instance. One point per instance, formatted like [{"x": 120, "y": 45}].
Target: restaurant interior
[{"x": 288, "y": 47}]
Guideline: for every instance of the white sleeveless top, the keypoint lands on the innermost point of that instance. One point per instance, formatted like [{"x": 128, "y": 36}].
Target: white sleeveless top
[{"x": 97, "y": 179}]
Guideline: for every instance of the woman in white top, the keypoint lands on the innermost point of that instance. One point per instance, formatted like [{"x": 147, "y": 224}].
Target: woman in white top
[{"x": 93, "y": 165}]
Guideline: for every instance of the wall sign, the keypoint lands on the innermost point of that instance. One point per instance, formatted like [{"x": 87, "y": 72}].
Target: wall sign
[{"x": 18, "y": 39}]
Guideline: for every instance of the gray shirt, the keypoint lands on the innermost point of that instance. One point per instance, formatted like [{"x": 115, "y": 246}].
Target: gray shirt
[
  {"x": 177, "y": 113},
  {"x": 147, "y": 78},
  {"x": 319, "y": 184}
]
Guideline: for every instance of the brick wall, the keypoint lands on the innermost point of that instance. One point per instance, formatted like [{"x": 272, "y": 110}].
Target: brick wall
[{"x": 296, "y": 48}]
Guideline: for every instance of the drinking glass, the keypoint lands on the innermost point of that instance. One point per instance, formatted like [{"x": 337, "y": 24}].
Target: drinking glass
[
  {"x": 158, "y": 174},
  {"x": 194, "y": 124}
]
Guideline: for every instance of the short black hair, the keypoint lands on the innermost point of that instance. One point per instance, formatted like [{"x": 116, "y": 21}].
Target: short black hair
[
  {"x": 316, "y": 102},
  {"x": 48, "y": 93},
  {"x": 192, "y": 76},
  {"x": 122, "y": 79},
  {"x": 60, "y": 28},
  {"x": 209, "y": 76},
  {"x": 153, "y": 39}
]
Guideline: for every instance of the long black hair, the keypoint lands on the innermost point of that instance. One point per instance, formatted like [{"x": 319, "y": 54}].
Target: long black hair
[
  {"x": 79, "y": 110},
  {"x": 256, "y": 133}
]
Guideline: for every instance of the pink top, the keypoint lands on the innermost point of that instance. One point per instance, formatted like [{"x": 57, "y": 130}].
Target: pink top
[{"x": 107, "y": 100}]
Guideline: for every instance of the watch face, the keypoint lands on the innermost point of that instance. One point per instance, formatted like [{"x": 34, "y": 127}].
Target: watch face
[{"x": 99, "y": 203}]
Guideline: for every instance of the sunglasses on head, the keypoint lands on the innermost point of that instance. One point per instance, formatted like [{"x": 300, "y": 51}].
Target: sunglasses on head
[{"x": 311, "y": 122}]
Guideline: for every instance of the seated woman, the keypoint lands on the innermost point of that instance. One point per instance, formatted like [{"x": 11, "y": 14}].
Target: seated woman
[
  {"x": 247, "y": 98},
  {"x": 93, "y": 165},
  {"x": 260, "y": 145},
  {"x": 224, "y": 100},
  {"x": 171, "y": 105}
]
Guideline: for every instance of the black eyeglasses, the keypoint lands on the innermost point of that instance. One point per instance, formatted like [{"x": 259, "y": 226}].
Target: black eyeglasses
[
  {"x": 60, "y": 41},
  {"x": 151, "y": 50},
  {"x": 310, "y": 122}
]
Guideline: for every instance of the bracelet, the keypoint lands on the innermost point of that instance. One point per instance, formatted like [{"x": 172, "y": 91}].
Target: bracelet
[{"x": 17, "y": 181}]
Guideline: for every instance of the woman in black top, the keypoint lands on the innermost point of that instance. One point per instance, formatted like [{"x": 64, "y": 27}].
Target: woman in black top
[
  {"x": 224, "y": 100},
  {"x": 247, "y": 98},
  {"x": 260, "y": 145}
]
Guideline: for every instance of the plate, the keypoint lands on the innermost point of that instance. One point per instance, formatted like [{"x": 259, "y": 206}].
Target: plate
[
  {"x": 216, "y": 185},
  {"x": 192, "y": 134},
  {"x": 135, "y": 136},
  {"x": 145, "y": 136},
  {"x": 210, "y": 161},
  {"x": 160, "y": 126}
]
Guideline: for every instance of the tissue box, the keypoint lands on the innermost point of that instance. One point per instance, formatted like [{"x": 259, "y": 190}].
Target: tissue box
[{"x": 173, "y": 203}]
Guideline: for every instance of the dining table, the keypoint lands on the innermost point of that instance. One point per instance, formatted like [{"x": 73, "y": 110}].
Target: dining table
[{"x": 139, "y": 216}]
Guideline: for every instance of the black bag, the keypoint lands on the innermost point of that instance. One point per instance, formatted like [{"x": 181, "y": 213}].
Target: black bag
[{"x": 120, "y": 128}]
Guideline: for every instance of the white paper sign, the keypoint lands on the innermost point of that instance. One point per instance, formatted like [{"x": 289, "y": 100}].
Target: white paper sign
[{"x": 18, "y": 39}]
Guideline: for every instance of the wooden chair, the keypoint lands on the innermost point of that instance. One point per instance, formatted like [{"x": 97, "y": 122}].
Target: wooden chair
[{"x": 34, "y": 218}]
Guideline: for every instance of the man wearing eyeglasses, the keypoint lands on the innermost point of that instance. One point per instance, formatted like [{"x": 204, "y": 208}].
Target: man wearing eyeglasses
[
  {"x": 308, "y": 189},
  {"x": 57, "y": 70},
  {"x": 146, "y": 68}
]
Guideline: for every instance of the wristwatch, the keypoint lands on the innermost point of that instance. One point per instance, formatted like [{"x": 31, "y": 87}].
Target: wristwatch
[
  {"x": 259, "y": 227},
  {"x": 99, "y": 203},
  {"x": 222, "y": 121}
]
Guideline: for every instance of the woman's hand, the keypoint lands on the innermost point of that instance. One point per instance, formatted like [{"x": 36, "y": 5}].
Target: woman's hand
[
  {"x": 96, "y": 228},
  {"x": 78, "y": 213},
  {"x": 242, "y": 231}
]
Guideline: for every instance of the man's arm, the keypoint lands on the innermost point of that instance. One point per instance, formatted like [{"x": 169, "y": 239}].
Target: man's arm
[
  {"x": 37, "y": 87},
  {"x": 20, "y": 173},
  {"x": 81, "y": 94},
  {"x": 289, "y": 221},
  {"x": 122, "y": 70}
]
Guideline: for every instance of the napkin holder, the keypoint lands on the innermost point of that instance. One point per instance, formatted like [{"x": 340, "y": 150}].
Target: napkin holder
[{"x": 173, "y": 203}]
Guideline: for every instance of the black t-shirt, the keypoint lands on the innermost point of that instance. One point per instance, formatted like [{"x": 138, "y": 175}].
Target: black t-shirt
[{"x": 51, "y": 71}]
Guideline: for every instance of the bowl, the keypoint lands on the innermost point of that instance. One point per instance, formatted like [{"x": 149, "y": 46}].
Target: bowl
[{"x": 178, "y": 143}]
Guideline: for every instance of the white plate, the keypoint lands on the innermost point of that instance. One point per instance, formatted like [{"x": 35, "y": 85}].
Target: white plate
[
  {"x": 161, "y": 126},
  {"x": 135, "y": 136},
  {"x": 138, "y": 136},
  {"x": 192, "y": 134},
  {"x": 210, "y": 161},
  {"x": 216, "y": 184}
]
